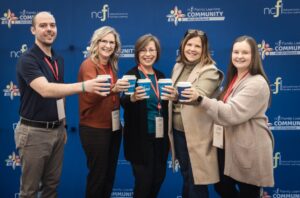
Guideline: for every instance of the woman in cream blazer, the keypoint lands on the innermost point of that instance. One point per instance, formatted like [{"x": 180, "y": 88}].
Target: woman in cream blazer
[
  {"x": 189, "y": 126},
  {"x": 247, "y": 158}
]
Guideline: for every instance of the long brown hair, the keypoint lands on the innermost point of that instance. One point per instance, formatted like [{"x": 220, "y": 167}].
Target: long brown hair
[{"x": 255, "y": 67}]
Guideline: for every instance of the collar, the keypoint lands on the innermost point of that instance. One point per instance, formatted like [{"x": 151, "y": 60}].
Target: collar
[{"x": 40, "y": 54}]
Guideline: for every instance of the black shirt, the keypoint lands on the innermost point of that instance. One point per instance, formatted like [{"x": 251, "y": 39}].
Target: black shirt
[{"x": 30, "y": 66}]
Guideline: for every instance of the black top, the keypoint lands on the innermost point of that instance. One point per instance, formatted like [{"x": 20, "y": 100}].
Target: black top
[
  {"x": 30, "y": 66},
  {"x": 136, "y": 135}
]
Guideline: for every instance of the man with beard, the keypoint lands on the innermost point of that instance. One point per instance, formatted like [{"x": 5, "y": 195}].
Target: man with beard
[{"x": 40, "y": 134}]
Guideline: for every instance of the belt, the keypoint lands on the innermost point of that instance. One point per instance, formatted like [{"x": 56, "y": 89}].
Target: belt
[{"x": 42, "y": 124}]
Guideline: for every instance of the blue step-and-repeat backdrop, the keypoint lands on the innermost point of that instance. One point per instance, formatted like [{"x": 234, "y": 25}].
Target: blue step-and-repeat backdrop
[{"x": 273, "y": 23}]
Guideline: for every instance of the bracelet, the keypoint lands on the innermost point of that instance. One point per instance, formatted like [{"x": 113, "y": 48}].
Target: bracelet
[{"x": 83, "y": 87}]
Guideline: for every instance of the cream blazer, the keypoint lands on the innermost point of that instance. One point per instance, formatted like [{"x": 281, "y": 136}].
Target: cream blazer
[
  {"x": 248, "y": 141},
  {"x": 198, "y": 125}
]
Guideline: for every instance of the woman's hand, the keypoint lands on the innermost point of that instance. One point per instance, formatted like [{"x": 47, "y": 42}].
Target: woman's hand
[
  {"x": 121, "y": 85},
  {"x": 191, "y": 94},
  {"x": 170, "y": 93},
  {"x": 97, "y": 86},
  {"x": 139, "y": 94}
]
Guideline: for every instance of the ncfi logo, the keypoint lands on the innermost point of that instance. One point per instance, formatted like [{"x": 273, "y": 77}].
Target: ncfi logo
[
  {"x": 17, "y": 54},
  {"x": 276, "y": 10}
]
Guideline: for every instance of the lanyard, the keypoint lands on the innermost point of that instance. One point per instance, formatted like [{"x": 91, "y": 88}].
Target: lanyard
[
  {"x": 155, "y": 89},
  {"x": 230, "y": 88},
  {"x": 110, "y": 73},
  {"x": 55, "y": 72},
  {"x": 112, "y": 78}
]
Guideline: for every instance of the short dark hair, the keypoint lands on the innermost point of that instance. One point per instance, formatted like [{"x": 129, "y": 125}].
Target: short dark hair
[
  {"x": 141, "y": 44},
  {"x": 34, "y": 17}
]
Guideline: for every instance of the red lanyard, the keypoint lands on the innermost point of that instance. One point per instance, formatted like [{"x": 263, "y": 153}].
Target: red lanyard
[
  {"x": 110, "y": 73},
  {"x": 55, "y": 73},
  {"x": 155, "y": 89},
  {"x": 112, "y": 78},
  {"x": 230, "y": 88}
]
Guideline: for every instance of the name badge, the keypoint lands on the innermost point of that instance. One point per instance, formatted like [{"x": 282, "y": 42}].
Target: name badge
[
  {"x": 115, "y": 115},
  {"x": 159, "y": 127},
  {"x": 61, "y": 109},
  {"x": 218, "y": 138}
]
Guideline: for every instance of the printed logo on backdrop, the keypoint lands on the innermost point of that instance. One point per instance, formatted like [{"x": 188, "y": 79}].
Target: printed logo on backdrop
[
  {"x": 14, "y": 125},
  {"x": 123, "y": 162},
  {"x": 18, "y": 53},
  {"x": 280, "y": 9},
  {"x": 285, "y": 123},
  {"x": 176, "y": 166},
  {"x": 13, "y": 160},
  {"x": 280, "y": 193},
  {"x": 11, "y": 90},
  {"x": 278, "y": 161},
  {"x": 122, "y": 193},
  {"x": 86, "y": 52},
  {"x": 281, "y": 48},
  {"x": 105, "y": 13},
  {"x": 278, "y": 86},
  {"x": 194, "y": 14},
  {"x": 127, "y": 51},
  {"x": 10, "y": 18}
]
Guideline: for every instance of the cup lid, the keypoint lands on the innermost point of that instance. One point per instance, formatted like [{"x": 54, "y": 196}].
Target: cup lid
[
  {"x": 165, "y": 80},
  {"x": 104, "y": 76},
  {"x": 184, "y": 84},
  {"x": 144, "y": 80},
  {"x": 129, "y": 77}
]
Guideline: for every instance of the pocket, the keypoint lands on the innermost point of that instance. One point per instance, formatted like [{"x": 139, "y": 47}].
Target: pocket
[
  {"x": 243, "y": 156},
  {"x": 21, "y": 137}
]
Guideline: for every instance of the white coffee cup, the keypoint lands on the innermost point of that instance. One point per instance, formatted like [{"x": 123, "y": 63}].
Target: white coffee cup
[
  {"x": 181, "y": 86},
  {"x": 146, "y": 84},
  {"x": 132, "y": 80},
  {"x": 107, "y": 79},
  {"x": 161, "y": 84}
]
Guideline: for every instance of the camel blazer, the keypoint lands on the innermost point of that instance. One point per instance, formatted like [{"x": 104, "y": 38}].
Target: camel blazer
[
  {"x": 198, "y": 125},
  {"x": 248, "y": 141}
]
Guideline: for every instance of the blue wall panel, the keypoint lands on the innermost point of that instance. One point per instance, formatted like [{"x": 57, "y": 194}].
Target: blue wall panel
[{"x": 273, "y": 23}]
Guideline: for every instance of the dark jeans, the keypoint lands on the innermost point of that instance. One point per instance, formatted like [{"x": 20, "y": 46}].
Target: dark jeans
[
  {"x": 189, "y": 189},
  {"x": 101, "y": 147},
  {"x": 150, "y": 176},
  {"x": 226, "y": 188}
]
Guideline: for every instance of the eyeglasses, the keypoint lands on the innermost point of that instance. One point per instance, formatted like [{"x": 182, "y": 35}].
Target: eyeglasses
[
  {"x": 151, "y": 51},
  {"x": 196, "y": 32},
  {"x": 105, "y": 42}
]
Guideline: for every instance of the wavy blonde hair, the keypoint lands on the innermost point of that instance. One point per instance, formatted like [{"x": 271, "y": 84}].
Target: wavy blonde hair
[{"x": 94, "y": 47}]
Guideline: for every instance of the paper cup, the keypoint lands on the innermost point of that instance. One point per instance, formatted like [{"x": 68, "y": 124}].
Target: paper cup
[
  {"x": 181, "y": 86},
  {"x": 108, "y": 80},
  {"x": 146, "y": 84},
  {"x": 162, "y": 83},
  {"x": 132, "y": 80}
]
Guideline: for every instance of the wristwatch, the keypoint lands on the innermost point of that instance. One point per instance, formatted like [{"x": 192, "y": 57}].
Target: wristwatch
[{"x": 199, "y": 99}]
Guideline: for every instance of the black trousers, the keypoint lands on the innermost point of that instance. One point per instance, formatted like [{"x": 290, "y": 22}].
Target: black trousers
[
  {"x": 101, "y": 147},
  {"x": 227, "y": 187},
  {"x": 150, "y": 176}
]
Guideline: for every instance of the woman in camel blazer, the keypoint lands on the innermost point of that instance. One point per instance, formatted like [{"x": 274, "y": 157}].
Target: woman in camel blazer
[{"x": 189, "y": 126}]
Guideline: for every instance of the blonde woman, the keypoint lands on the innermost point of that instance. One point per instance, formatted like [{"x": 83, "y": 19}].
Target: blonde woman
[{"x": 100, "y": 139}]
